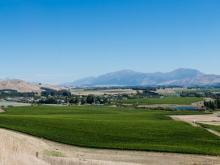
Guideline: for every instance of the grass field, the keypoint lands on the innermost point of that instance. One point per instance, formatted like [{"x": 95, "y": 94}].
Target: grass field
[
  {"x": 105, "y": 127},
  {"x": 212, "y": 127},
  {"x": 165, "y": 100}
]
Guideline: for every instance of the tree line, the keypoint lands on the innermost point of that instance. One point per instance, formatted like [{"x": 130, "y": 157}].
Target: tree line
[{"x": 212, "y": 104}]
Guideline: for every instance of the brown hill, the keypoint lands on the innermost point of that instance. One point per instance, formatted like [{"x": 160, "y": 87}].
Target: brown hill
[{"x": 23, "y": 86}]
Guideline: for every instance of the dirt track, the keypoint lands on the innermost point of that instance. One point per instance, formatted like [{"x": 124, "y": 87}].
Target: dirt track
[
  {"x": 197, "y": 120},
  {"x": 209, "y": 118},
  {"x": 1, "y": 110},
  {"x": 20, "y": 149}
]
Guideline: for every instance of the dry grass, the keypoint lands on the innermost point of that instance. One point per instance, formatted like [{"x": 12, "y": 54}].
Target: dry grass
[
  {"x": 15, "y": 151},
  {"x": 81, "y": 161}
]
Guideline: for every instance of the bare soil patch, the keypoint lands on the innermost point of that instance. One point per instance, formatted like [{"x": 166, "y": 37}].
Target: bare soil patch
[
  {"x": 192, "y": 119},
  {"x": 1, "y": 110}
]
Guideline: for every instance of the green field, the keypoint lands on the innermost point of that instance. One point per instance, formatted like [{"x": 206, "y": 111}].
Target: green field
[
  {"x": 212, "y": 127},
  {"x": 165, "y": 100},
  {"x": 115, "y": 128}
]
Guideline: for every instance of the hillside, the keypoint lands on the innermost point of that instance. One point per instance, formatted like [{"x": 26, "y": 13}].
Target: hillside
[{"x": 23, "y": 86}]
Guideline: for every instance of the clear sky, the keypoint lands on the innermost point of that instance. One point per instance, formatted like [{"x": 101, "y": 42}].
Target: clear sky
[{"x": 63, "y": 40}]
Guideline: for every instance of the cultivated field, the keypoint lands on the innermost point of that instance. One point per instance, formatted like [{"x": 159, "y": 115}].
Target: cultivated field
[
  {"x": 21, "y": 149},
  {"x": 209, "y": 122},
  {"x": 113, "y": 128},
  {"x": 212, "y": 127},
  {"x": 165, "y": 100}
]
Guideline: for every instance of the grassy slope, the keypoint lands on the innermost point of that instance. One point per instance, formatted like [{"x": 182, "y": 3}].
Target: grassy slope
[
  {"x": 165, "y": 100},
  {"x": 103, "y": 127}
]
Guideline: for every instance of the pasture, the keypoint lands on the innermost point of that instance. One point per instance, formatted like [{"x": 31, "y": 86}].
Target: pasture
[
  {"x": 112, "y": 128},
  {"x": 164, "y": 100}
]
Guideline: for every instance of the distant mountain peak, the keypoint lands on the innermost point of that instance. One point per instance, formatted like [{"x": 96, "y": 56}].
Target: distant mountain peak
[
  {"x": 124, "y": 71},
  {"x": 186, "y": 70},
  {"x": 180, "y": 76}
]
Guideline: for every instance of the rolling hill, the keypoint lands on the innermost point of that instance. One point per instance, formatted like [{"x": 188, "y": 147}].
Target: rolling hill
[{"x": 24, "y": 87}]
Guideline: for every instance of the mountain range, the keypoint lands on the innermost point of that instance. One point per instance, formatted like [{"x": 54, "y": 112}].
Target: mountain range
[{"x": 178, "y": 77}]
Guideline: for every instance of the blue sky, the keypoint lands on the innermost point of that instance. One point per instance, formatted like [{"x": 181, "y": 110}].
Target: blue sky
[{"x": 58, "y": 41}]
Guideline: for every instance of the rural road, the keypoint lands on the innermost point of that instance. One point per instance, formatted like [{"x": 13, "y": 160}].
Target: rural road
[{"x": 21, "y": 149}]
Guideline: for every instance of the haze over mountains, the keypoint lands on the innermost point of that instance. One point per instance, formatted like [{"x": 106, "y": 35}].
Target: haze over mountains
[{"x": 180, "y": 77}]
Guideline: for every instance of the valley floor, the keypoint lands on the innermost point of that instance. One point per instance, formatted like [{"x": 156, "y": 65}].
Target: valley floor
[{"x": 21, "y": 149}]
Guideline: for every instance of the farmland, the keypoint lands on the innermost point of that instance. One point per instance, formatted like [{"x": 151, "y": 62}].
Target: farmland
[
  {"x": 112, "y": 128},
  {"x": 213, "y": 127},
  {"x": 164, "y": 100}
]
